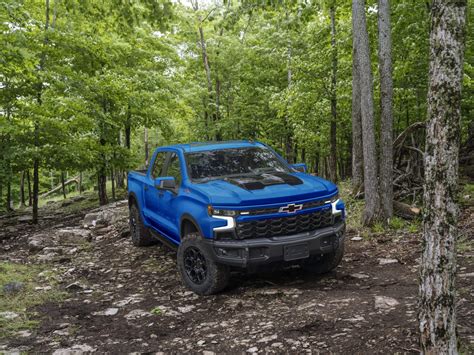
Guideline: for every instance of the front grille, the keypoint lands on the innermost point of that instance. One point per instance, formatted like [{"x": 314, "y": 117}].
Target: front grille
[
  {"x": 271, "y": 210},
  {"x": 287, "y": 225}
]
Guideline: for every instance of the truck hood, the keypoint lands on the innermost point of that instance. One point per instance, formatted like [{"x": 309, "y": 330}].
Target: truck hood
[{"x": 265, "y": 189}]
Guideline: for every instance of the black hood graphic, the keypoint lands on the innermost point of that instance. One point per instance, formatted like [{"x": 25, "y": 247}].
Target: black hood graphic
[{"x": 260, "y": 181}]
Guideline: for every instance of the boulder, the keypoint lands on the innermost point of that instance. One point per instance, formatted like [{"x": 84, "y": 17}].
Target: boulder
[
  {"x": 90, "y": 220},
  {"x": 73, "y": 235},
  {"x": 38, "y": 242},
  {"x": 385, "y": 303}
]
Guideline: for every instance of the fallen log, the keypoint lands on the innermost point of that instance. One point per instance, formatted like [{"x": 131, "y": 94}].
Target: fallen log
[
  {"x": 406, "y": 211},
  {"x": 60, "y": 186}
]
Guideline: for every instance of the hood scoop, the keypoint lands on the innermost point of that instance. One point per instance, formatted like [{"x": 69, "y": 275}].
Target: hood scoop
[{"x": 258, "y": 182}]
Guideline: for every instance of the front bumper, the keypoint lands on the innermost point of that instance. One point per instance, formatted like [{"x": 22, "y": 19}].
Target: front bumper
[{"x": 262, "y": 251}]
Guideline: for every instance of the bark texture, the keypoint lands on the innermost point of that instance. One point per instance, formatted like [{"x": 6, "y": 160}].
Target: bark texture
[
  {"x": 357, "y": 156},
  {"x": 386, "y": 102},
  {"x": 333, "y": 137},
  {"x": 372, "y": 203},
  {"x": 438, "y": 266}
]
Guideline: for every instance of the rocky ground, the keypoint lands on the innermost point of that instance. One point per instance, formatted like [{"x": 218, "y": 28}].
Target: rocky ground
[{"x": 126, "y": 299}]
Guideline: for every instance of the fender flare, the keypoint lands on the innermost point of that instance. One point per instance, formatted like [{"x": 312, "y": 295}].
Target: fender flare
[{"x": 186, "y": 217}]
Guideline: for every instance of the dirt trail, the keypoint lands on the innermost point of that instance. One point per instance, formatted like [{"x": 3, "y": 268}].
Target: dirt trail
[{"x": 124, "y": 299}]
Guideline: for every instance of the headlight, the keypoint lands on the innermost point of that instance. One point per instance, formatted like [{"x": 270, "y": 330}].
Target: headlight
[
  {"x": 333, "y": 198},
  {"x": 220, "y": 212}
]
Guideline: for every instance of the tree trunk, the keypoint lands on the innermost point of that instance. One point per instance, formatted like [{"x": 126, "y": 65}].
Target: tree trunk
[
  {"x": 22, "y": 189},
  {"x": 357, "y": 156},
  {"x": 36, "y": 159},
  {"x": 112, "y": 180},
  {"x": 289, "y": 152},
  {"x": 333, "y": 141},
  {"x": 386, "y": 102},
  {"x": 63, "y": 186},
  {"x": 438, "y": 265},
  {"x": 372, "y": 203},
  {"x": 102, "y": 186},
  {"x": 145, "y": 141},
  {"x": 30, "y": 201},
  {"x": 128, "y": 128},
  {"x": 8, "y": 202}
]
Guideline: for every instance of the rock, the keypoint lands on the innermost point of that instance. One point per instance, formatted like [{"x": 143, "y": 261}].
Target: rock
[
  {"x": 107, "y": 312},
  {"x": 25, "y": 219},
  {"x": 75, "y": 350},
  {"x": 201, "y": 342},
  {"x": 383, "y": 261},
  {"x": 360, "y": 276},
  {"x": 268, "y": 338},
  {"x": 75, "y": 286},
  {"x": 13, "y": 287},
  {"x": 186, "y": 309},
  {"x": 385, "y": 303},
  {"x": 23, "y": 333},
  {"x": 111, "y": 216},
  {"x": 38, "y": 242},
  {"x": 469, "y": 274},
  {"x": 9, "y": 315},
  {"x": 356, "y": 239},
  {"x": 136, "y": 313},
  {"x": 90, "y": 220},
  {"x": 73, "y": 235},
  {"x": 253, "y": 349}
]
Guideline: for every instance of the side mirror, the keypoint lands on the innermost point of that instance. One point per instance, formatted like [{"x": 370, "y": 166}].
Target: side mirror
[
  {"x": 166, "y": 183},
  {"x": 300, "y": 167}
]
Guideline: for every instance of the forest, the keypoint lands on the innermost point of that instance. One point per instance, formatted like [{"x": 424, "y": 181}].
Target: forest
[{"x": 88, "y": 90}]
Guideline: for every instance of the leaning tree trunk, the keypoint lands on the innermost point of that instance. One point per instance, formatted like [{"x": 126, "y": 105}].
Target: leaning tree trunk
[
  {"x": 386, "y": 100},
  {"x": 438, "y": 265},
  {"x": 372, "y": 203},
  {"x": 332, "y": 135}
]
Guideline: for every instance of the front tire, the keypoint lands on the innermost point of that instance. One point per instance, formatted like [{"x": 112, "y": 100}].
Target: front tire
[
  {"x": 328, "y": 262},
  {"x": 140, "y": 234},
  {"x": 198, "y": 271}
]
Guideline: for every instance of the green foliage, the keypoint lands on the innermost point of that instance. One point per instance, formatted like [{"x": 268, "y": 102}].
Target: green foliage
[
  {"x": 104, "y": 71},
  {"x": 38, "y": 286}
]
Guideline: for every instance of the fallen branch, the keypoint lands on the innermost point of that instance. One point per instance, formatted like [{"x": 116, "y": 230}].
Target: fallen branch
[
  {"x": 60, "y": 186},
  {"x": 405, "y": 211}
]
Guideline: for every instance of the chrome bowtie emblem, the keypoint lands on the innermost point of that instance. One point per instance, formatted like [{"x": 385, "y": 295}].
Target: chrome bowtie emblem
[{"x": 290, "y": 208}]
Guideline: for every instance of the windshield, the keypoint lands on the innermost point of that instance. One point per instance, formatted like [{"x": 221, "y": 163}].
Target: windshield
[{"x": 214, "y": 164}]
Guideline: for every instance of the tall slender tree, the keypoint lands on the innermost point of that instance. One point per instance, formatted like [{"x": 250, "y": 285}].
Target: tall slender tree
[
  {"x": 386, "y": 100},
  {"x": 357, "y": 155},
  {"x": 438, "y": 265},
  {"x": 372, "y": 203},
  {"x": 333, "y": 127}
]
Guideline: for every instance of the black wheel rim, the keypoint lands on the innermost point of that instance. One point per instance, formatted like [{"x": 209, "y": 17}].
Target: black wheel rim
[{"x": 195, "y": 265}]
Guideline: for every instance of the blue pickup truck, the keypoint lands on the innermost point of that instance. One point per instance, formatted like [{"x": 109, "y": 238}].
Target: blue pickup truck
[{"x": 235, "y": 205}]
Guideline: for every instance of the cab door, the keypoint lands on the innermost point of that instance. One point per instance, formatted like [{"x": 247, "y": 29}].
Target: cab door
[
  {"x": 152, "y": 196},
  {"x": 167, "y": 202}
]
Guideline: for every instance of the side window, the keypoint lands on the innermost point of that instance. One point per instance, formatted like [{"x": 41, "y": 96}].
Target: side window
[
  {"x": 174, "y": 168},
  {"x": 159, "y": 164}
]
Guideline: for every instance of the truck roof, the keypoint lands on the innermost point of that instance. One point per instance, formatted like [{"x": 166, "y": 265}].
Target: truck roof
[{"x": 203, "y": 146}]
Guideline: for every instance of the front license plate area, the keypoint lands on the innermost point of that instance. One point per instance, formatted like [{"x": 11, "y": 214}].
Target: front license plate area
[{"x": 295, "y": 252}]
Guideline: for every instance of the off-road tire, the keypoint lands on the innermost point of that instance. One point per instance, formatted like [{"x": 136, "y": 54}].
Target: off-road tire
[
  {"x": 217, "y": 275},
  {"x": 140, "y": 234},
  {"x": 328, "y": 262}
]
